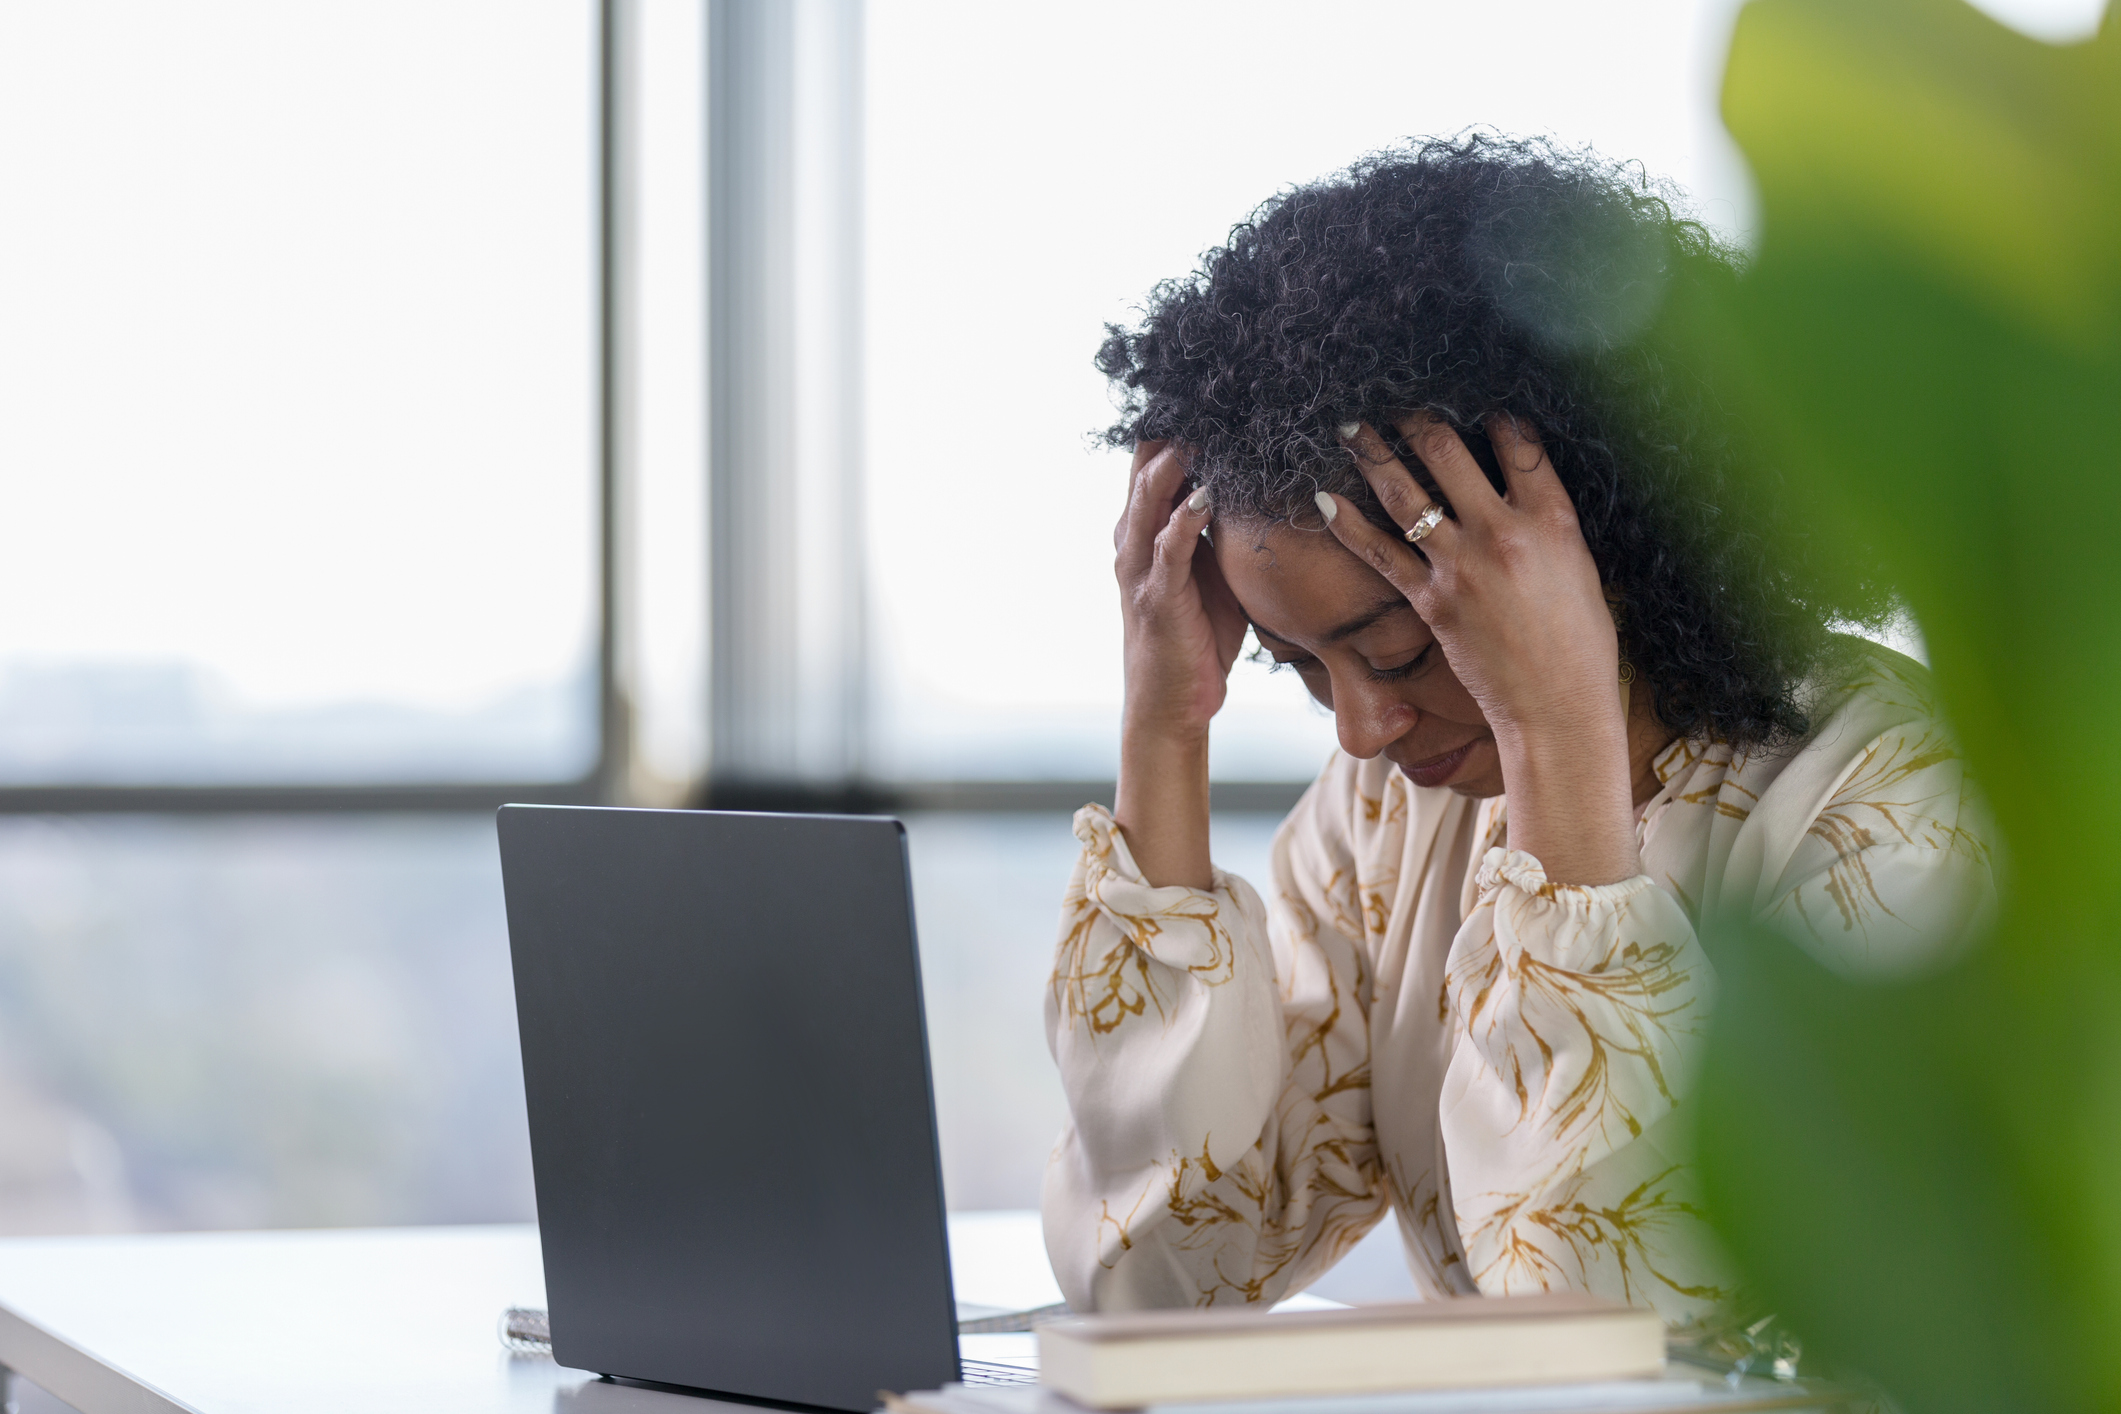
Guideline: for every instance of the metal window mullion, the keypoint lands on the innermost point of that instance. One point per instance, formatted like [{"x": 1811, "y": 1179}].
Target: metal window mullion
[
  {"x": 786, "y": 661},
  {"x": 613, "y": 717}
]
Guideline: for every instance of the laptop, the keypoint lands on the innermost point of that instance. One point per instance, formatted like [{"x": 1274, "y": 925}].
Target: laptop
[{"x": 731, "y": 1124}]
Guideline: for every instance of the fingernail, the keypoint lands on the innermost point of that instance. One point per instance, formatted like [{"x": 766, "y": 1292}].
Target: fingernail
[
  {"x": 1198, "y": 501},
  {"x": 1327, "y": 506},
  {"x": 1348, "y": 429}
]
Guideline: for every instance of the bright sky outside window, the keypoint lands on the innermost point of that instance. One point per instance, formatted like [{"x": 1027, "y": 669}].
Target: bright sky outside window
[{"x": 298, "y": 391}]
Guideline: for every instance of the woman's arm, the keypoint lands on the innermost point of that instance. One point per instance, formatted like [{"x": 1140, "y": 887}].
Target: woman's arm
[
  {"x": 1183, "y": 630},
  {"x": 1222, "y": 1149},
  {"x": 1577, "y": 1015}
]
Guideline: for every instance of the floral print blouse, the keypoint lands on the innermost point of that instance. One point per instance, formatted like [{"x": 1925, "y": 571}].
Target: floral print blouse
[{"x": 1418, "y": 1021}]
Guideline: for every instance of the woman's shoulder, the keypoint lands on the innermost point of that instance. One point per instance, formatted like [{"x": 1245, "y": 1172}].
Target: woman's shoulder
[
  {"x": 1873, "y": 683},
  {"x": 1868, "y": 693},
  {"x": 1871, "y": 838},
  {"x": 1878, "y": 749}
]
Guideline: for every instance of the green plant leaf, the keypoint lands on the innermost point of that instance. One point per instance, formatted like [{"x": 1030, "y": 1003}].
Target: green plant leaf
[{"x": 1926, "y": 1177}]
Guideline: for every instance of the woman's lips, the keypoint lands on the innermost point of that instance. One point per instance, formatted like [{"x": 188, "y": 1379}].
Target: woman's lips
[{"x": 1438, "y": 769}]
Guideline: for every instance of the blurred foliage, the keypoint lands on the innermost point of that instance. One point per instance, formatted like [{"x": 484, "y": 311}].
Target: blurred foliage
[{"x": 1925, "y": 1179}]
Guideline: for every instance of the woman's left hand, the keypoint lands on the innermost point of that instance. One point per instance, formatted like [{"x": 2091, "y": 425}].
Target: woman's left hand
[{"x": 1509, "y": 588}]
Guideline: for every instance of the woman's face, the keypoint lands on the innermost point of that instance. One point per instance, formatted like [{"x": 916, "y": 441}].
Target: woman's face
[{"x": 1362, "y": 651}]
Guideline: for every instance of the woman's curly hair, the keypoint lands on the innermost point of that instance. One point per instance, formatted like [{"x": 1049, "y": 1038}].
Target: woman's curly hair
[{"x": 1480, "y": 275}]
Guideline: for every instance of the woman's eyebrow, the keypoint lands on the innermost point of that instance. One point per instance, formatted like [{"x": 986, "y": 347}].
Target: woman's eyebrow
[
  {"x": 1383, "y": 609},
  {"x": 1369, "y": 618}
]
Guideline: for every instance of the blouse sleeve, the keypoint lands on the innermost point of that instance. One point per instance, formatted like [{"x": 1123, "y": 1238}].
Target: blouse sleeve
[
  {"x": 1577, "y": 1018},
  {"x": 1578, "y": 1014},
  {"x": 1217, "y": 1071}
]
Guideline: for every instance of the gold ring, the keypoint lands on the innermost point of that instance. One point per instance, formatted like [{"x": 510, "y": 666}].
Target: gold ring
[{"x": 1427, "y": 521}]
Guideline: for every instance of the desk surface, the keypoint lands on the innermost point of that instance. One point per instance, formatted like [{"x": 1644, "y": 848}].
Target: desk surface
[{"x": 323, "y": 1322}]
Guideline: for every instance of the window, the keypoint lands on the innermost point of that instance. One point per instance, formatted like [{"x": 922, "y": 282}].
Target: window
[
  {"x": 298, "y": 392},
  {"x": 301, "y": 476}
]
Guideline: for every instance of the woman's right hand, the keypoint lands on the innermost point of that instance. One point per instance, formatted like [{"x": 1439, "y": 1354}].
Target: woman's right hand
[
  {"x": 1183, "y": 630},
  {"x": 1183, "y": 626}
]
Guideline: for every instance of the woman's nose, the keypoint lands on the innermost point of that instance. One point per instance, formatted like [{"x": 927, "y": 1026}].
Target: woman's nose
[{"x": 1368, "y": 718}]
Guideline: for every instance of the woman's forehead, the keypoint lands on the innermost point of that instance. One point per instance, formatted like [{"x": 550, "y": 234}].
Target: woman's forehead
[{"x": 1303, "y": 586}]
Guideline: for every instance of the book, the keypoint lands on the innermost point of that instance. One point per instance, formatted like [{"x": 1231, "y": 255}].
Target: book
[{"x": 1133, "y": 1359}]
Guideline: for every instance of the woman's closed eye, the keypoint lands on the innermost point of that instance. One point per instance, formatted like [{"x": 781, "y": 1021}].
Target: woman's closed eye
[
  {"x": 1387, "y": 672},
  {"x": 1401, "y": 671}
]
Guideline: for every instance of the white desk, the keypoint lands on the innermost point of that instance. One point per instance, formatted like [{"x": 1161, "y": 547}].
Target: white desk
[
  {"x": 367, "y": 1321},
  {"x": 356, "y": 1322}
]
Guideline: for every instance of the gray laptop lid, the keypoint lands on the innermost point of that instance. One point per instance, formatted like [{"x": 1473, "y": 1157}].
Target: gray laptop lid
[{"x": 730, "y": 1117}]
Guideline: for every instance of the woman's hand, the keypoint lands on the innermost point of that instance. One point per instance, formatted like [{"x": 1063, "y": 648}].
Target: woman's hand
[
  {"x": 1183, "y": 630},
  {"x": 1509, "y": 588}
]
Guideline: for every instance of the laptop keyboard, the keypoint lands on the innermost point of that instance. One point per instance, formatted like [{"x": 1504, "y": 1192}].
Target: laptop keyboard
[{"x": 986, "y": 1372}]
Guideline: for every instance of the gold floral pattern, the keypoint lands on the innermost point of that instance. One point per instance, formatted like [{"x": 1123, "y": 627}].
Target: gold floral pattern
[
  {"x": 1561, "y": 1242},
  {"x": 1108, "y": 974},
  {"x": 1422, "y": 1023}
]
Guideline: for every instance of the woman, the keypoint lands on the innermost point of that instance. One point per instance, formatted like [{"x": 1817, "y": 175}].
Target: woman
[{"x": 1587, "y": 697}]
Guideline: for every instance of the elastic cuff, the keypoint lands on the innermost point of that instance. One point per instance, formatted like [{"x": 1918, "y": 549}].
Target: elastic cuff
[
  {"x": 1105, "y": 846},
  {"x": 1520, "y": 870}
]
